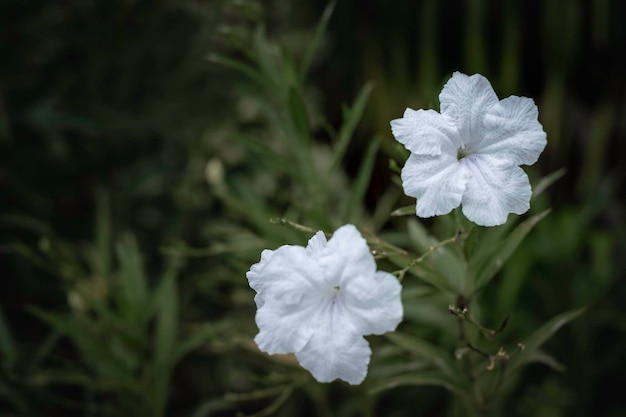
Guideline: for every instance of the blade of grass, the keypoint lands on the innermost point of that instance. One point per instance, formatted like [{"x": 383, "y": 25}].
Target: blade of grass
[
  {"x": 489, "y": 268},
  {"x": 539, "y": 337},
  {"x": 240, "y": 67},
  {"x": 103, "y": 234},
  {"x": 547, "y": 181},
  {"x": 317, "y": 38},
  {"x": 133, "y": 285},
  {"x": 351, "y": 118},
  {"x": 7, "y": 344},
  {"x": 360, "y": 184},
  {"x": 165, "y": 337},
  {"x": 424, "y": 350}
]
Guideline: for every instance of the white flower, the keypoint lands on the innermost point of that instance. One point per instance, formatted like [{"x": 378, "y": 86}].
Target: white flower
[
  {"x": 318, "y": 302},
  {"x": 469, "y": 154}
]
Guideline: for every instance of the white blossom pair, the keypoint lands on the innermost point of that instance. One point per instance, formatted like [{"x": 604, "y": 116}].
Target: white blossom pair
[
  {"x": 320, "y": 300},
  {"x": 469, "y": 154}
]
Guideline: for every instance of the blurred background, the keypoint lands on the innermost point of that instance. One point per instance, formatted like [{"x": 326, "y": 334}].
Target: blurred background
[{"x": 140, "y": 168}]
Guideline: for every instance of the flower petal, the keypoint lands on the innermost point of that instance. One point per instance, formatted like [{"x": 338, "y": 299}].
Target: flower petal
[
  {"x": 374, "y": 302},
  {"x": 438, "y": 183},
  {"x": 345, "y": 257},
  {"x": 287, "y": 284},
  {"x": 284, "y": 325},
  {"x": 513, "y": 131},
  {"x": 495, "y": 188},
  {"x": 316, "y": 244},
  {"x": 425, "y": 132},
  {"x": 335, "y": 350},
  {"x": 464, "y": 102}
]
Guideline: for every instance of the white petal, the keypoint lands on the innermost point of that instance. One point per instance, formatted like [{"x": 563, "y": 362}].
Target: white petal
[
  {"x": 464, "y": 102},
  {"x": 288, "y": 286},
  {"x": 285, "y": 269},
  {"x": 495, "y": 188},
  {"x": 438, "y": 183},
  {"x": 373, "y": 302},
  {"x": 335, "y": 350},
  {"x": 346, "y": 256},
  {"x": 513, "y": 131},
  {"x": 316, "y": 244},
  {"x": 425, "y": 132},
  {"x": 284, "y": 325}
]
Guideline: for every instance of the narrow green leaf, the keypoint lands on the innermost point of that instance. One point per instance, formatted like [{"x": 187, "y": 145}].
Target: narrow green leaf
[
  {"x": 267, "y": 155},
  {"x": 133, "y": 297},
  {"x": 351, "y": 119},
  {"x": 488, "y": 269},
  {"x": 425, "y": 273},
  {"x": 103, "y": 234},
  {"x": 426, "y": 379},
  {"x": 539, "y": 337},
  {"x": 288, "y": 65},
  {"x": 298, "y": 113},
  {"x": 472, "y": 242},
  {"x": 205, "y": 334},
  {"x": 449, "y": 268},
  {"x": 423, "y": 349},
  {"x": 166, "y": 335},
  {"x": 317, "y": 38},
  {"x": 93, "y": 349},
  {"x": 360, "y": 184},
  {"x": 404, "y": 211},
  {"x": 547, "y": 181},
  {"x": 7, "y": 345},
  {"x": 266, "y": 55},
  {"x": 242, "y": 68},
  {"x": 540, "y": 356},
  {"x": 213, "y": 406}
]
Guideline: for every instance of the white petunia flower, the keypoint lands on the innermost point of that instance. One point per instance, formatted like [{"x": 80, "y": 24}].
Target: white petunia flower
[
  {"x": 318, "y": 302},
  {"x": 469, "y": 154}
]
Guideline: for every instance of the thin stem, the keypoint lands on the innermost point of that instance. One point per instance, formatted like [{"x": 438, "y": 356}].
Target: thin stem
[
  {"x": 297, "y": 226},
  {"x": 402, "y": 272},
  {"x": 463, "y": 313}
]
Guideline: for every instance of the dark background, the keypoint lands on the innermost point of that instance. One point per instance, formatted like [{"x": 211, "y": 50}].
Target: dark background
[{"x": 119, "y": 97}]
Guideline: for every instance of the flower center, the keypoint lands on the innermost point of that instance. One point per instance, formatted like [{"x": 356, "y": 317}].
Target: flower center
[{"x": 461, "y": 153}]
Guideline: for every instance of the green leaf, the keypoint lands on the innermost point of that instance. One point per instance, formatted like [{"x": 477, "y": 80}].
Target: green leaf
[
  {"x": 425, "y": 273},
  {"x": 489, "y": 267},
  {"x": 201, "y": 336},
  {"x": 360, "y": 184},
  {"x": 447, "y": 271},
  {"x": 472, "y": 242},
  {"x": 166, "y": 335},
  {"x": 242, "y": 68},
  {"x": 423, "y": 349},
  {"x": 267, "y": 155},
  {"x": 539, "y": 337},
  {"x": 404, "y": 211},
  {"x": 133, "y": 297},
  {"x": 94, "y": 350},
  {"x": 540, "y": 356},
  {"x": 298, "y": 113},
  {"x": 317, "y": 38},
  {"x": 7, "y": 345},
  {"x": 547, "y": 181},
  {"x": 103, "y": 234},
  {"x": 351, "y": 119},
  {"x": 428, "y": 379},
  {"x": 265, "y": 55}
]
